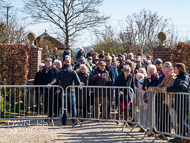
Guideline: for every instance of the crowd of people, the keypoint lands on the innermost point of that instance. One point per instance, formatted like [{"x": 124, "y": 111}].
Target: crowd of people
[{"x": 107, "y": 69}]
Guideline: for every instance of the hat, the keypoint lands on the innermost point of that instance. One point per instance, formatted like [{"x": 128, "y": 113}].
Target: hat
[
  {"x": 81, "y": 48},
  {"x": 112, "y": 55},
  {"x": 42, "y": 65},
  {"x": 101, "y": 63},
  {"x": 91, "y": 49},
  {"x": 89, "y": 58},
  {"x": 82, "y": 60},
  {"x": 108, "y": 58},
  {"x": 120, "y": 55},
  {"x": 48, "y": 59},
  {"x": 158, "y": 61}
]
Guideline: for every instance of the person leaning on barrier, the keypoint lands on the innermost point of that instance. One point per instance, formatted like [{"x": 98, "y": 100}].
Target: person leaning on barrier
[
  {"x": 47, "y": 75},
  {"x": 181, "y": 101},
  {"x": 151, "y": 79},
  {"x": 67, "y": 78},
  {"x": 125, "y": 79},
  {"x": 163, "y": 67},
  {"x": 100, "y": 76},
  {"x": 36, "y": 82},
  {"x": 113, "y": 75},
  {"x": 82, "y": 95},
  {"x": 164, "y": 101}
]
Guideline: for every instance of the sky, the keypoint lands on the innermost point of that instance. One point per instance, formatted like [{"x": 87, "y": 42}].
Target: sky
[{"x": 177, "y": 10}]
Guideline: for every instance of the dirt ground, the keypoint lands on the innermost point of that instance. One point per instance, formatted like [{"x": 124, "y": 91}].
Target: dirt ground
[{"x": 39, "y": 131}]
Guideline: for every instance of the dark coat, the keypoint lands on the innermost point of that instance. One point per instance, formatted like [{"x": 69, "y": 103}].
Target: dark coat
[
  {"x": 89, "y": 55},
  {"x": 181, "y": 83},
  {"x": 67, "y": 77},
  {"x": 37, "y": 79},
  {"x": 151, "y": 82},
  {"x": 81, "y": 95},
  {"x": 160, "y": 79},
  {"x": 104, "y": 80},
  {"x": 129, "y": 82},
  {"x": 66, "y": 53},
  {"x": 46, "y": 78}
]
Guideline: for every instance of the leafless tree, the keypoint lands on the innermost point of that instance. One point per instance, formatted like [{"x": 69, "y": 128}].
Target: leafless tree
[
  {"x": 70, "y": 16},
  {"x": 142, "y": 29}
]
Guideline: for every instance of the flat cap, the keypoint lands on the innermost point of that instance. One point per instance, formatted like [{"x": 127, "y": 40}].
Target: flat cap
[
  {"x": 108, "y": 58},
  {"x": 48, "y": 59},
  {"x": 82, "y": 60},
  {"x": 102, "y": 63}
]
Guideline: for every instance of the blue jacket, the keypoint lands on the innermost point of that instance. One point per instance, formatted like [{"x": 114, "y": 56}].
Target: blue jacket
[
  {"x": 129, "y": 82},
  {"x": 181, "y": 83},
  {"x": 160, "y": 79},
  {"x": 113, "y": 73},
  {"x": 79, "y": 54}
]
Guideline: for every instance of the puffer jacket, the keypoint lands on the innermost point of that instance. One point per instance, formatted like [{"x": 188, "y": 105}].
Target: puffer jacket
[{"x": 104, "y": 80}]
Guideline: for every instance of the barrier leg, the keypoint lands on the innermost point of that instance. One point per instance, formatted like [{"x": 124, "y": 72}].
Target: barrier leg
[
  {"x": 51, "y": 121},
  {"x": 158, "y": 137},
  {"x": 78, "y": 122},
  {"x": 125, "y": 126},
  {"x": 145, "y": 135}
]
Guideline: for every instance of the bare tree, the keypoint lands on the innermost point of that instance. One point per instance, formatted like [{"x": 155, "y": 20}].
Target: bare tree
[
  {"x": 142, "y": 29},
  {"x": 71, "y": 16}
]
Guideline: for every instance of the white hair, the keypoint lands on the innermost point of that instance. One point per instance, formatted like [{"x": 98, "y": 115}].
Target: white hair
[
  {"x": 139, "y": 74},
  {"x": 131, "y": 54},
  {"x": 42, "y": 65},
  {"x": 153, "y": 67},
  {"x": 55, "y": 61},
  {"x": 67, "y": 56},
  {"x": 68, "y": 59},
  {"x": 58, "y": 61}
]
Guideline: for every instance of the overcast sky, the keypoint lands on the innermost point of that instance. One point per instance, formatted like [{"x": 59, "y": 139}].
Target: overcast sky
[{"x": 177, "y": 10}]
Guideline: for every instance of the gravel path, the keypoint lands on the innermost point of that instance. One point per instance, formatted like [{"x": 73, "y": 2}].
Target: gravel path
[{"x": 88, "y": 132}]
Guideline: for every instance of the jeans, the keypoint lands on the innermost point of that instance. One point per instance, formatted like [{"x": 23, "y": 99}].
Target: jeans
[{"x": 72, "y": 100}]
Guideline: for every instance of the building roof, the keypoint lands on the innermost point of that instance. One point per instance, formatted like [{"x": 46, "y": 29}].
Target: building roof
[{"x": 46, "y": 37}]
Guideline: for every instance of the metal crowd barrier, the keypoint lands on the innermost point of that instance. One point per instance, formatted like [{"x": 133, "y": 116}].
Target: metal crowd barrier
[
  {"x": 165, "y": 114},
  {"x": 31, "y": 102},
  {"x": 100, "y": 103}
]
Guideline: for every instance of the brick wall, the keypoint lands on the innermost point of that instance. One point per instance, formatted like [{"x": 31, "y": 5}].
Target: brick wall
[
  {"x": 162, "y": 53},
  {"x": 34, "y": 61}
]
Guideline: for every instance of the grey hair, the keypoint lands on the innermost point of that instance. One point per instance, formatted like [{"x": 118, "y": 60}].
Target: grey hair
[
  {"x": 126, "y": 68},
  {"x": 167, "y": 64},
  {"x": 153, "y": 67},
  {"x": 131, "y": 54},
  {"x": 58, "y": 61}
]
